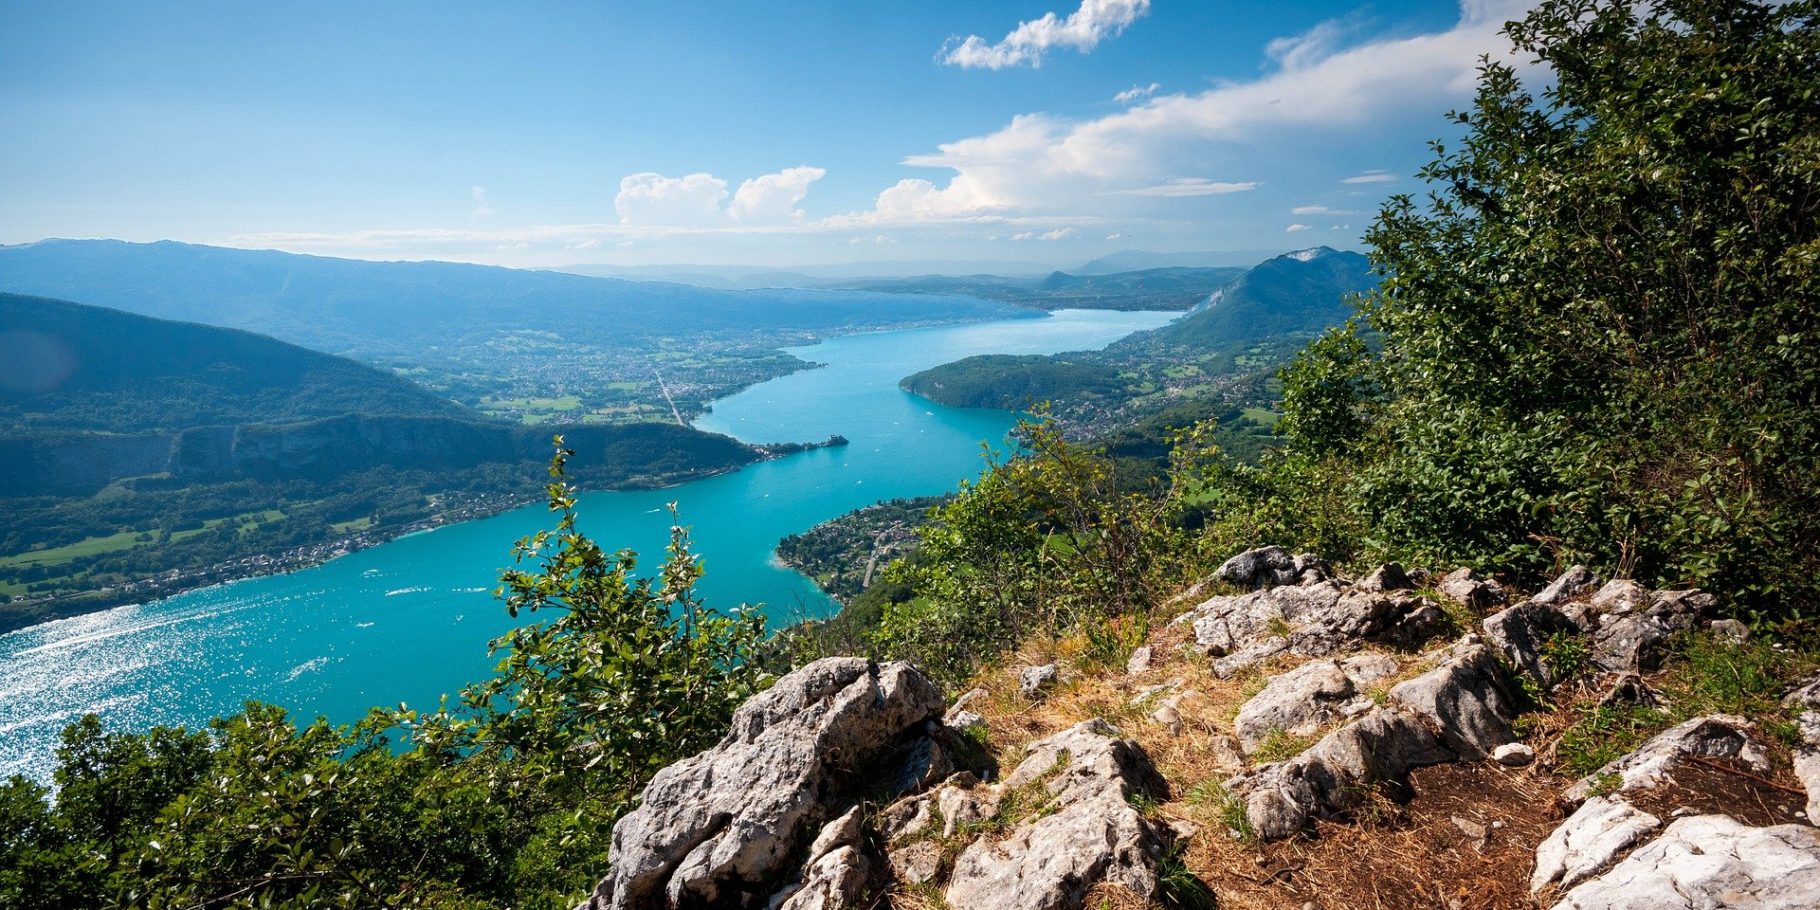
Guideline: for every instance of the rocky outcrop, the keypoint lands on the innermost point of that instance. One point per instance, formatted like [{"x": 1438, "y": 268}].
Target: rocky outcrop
[
  {"x": 1522, "y": 634},
  {"x": 1466, "y": 587},
  {"x": 1716, "y": 736},
  {"x": 1338, "y": 773},
  {"x": 1316, "y": 617},
  {"x": 1464, "y": 700},
  {"x": 1591, "y": 839},
  {"x": 1268, "y": 567},
  {"x": 1310, "y": 697},
  {"x": 1806, "y": 700},
  {"x": 1710, "y": 861},
  {"x": 1093, "y": 836},
  {"x": 724, "y": 826}
]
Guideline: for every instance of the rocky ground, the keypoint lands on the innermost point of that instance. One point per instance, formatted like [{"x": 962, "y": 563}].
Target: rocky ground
[{"x": 1287, "y": 739}]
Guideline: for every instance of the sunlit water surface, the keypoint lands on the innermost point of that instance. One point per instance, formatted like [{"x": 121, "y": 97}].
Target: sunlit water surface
[{"x": 408, "y": 621}]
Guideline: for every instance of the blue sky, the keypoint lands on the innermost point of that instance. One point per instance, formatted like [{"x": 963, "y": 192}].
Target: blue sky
[{"x": 784, "y": 133}]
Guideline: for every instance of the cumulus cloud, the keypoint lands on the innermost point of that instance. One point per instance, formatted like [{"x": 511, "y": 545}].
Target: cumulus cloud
[
  {"x": 1298, "y": 228},
  {"x": 1192, "y": 186},
  {"x": 482, "y": 208},
  {"x": 1083, "y": 30},
  {"x": 1316, "y": 82},
  {"x": 773, "y": 197},
  {"x": 1063, "y": 233},
  {"x": 1319, "y": 210},
  {"x": 652, "y": 198},
  {"x": 1137, "y": 93},
  {"x": 1115, "y": 235}
]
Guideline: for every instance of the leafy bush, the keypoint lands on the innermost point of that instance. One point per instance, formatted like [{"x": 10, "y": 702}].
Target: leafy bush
[
  {"x": 1599, "y": 328},
  {"x": 505, "y": 799},
  {"x": 1040, "y": 543}
]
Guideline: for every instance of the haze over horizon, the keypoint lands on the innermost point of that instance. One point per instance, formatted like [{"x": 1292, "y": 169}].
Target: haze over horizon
[{"x": 1044, "y": 133}]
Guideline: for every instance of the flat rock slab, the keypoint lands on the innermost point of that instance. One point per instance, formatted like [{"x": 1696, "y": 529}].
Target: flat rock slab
[
  {"x": 1590, "y": 840},
  {"x": 1716, "y": 736},
  {"x": 1709, "y": 862},
  {"x": 1304, "y": 700},
  {"x": 1314, "y": 619}
]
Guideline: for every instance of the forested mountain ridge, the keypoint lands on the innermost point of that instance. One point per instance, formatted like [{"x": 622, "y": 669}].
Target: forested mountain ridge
[
  {"x": 1300, "y": 293},
  {"x": 1221, "y": 355},
  {"x": 132, "y": 446},
  {"x": 73, "y": 366}
]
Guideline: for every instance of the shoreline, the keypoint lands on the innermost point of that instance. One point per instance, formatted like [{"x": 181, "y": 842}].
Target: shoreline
[{"x": 176, "y": 582}]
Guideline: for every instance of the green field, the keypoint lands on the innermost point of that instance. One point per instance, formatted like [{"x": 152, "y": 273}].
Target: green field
[{"x": 124, "y": 540}]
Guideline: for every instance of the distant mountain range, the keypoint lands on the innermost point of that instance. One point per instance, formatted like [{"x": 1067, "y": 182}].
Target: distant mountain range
[
  {"x": 1140, "y": 260},
  {"x": 376, "y": 309}
]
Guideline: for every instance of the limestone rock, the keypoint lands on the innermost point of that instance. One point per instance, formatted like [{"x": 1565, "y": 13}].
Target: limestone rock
[
  {"x": 838, "y": 874},
  {"x": 1337, "y": 773},
  {"x": 1465, "y": 699},
  {"x": 1312, "y": 696},
  {"x": 1711, "y": 861},
  {"x": 1807, "y": 770},
  {"x": 1094, "y": 836},
  {"x": 1139, "y": 662},
  {"x": 1260, "y": 568},
  {"x": 964, "y": 704},
  {"x": 1620, "y": 596},
  {"x": 1035, "y": 682},
  {"x": 1723, "y": 736},
  {"x": 1730, "y": 630},
  {"x": 917, "y": 863},
  {"x": 1513, "y": 755},
  {"x": 1386, "y": 578},
  {"x": 1807, "y": 756},
  {"x": 1573, "y": 583},
  {"x": 1465, "y": 586},
  {"x": 1520, "y": 632},
  {"x": 720, "y": 825},
  {"x": 1312, "y": 620},
  {"x": 965, "y": 720},
  {"x": 1588, "y": 841}
]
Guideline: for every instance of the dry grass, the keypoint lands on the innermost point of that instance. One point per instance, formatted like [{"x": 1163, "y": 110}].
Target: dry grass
[{"x": 1390, "y": 856}]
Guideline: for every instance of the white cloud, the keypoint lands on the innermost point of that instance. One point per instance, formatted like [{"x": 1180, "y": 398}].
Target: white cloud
[
  {"x": 1039, "y": 163},
  {"x": 695, "y": 200},
  {"x": 1191, "y": 186},
  {"x": 1083, "y": 30},
  {"x": 652, "y": 198},
  {"x": 1137, "y": 93},
  {"x": 1115, "y": 235},
  {"x": 1319, "y": 210},
  {"x": 1371, "y": 177},
  {"x": 773, "y": 198},
  {"x": 1298, "y": 228},
  {"x": 482, "y": 208},
  {"x": 1063, "y": 233}
]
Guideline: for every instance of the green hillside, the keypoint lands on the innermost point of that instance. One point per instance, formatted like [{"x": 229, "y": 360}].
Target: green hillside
[
  {"x": 1010, "y": 382},
  {"x": 132, "y": 447},
  {"x": 67, "y": 365},
  {"x": 1302, "y": 293}
]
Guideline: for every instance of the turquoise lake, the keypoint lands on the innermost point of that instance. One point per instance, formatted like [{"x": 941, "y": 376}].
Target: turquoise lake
[{"x": 410, "y": 620}]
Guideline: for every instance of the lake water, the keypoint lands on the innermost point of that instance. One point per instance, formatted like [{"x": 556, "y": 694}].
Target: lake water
[{"x": 410, "y": 620}]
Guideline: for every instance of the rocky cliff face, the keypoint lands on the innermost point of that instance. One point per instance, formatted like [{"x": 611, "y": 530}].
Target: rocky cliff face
[{"x": 1272, "y": 743}]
